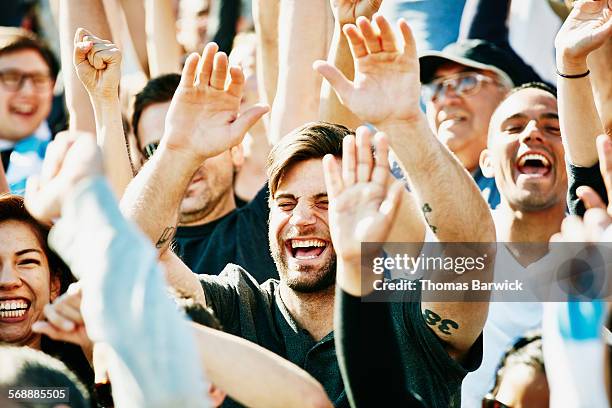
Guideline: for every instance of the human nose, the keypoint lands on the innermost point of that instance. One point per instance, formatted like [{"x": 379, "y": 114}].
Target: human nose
[
  {"x": 531, "y": 133},
  {"x": 27, "y": 85},
  {"x": 447, "y": 94},
  {"x": 302, "y": 215},
  {"x": 9, "y": 278}
]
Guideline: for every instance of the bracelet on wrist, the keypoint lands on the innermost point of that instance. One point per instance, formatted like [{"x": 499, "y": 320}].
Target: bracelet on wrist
[{"x": 573, "y": 76}]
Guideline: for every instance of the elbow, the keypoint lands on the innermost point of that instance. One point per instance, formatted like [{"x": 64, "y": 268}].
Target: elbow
[{"x": 314, "y": 396}]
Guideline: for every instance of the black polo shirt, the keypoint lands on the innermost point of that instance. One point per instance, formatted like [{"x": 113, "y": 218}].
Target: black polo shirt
[{"x": 256, "y": 312}]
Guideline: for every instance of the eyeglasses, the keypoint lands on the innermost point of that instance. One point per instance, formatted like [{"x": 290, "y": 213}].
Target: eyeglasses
[
  {"x": 489, "y": 401},
  {"x": 13, "y": 80},
  {"x": 463, "y": 84},
  {"x": 149, "y": 149}
]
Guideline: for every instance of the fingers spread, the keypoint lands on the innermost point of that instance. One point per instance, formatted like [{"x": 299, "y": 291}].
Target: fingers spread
[
  {"x": 219, "y": 73},
  {"x": 356, "y": 41},
  {"x": 333, "y": 176},
  {"x": 247, "y": 119},
  {"x": 342, "y": 86},
  {"x": 410, "y": 49},
  {"x": 58, "y": 320},
  {"x": 348, "y": 161},
  {"x": 364, "y": 154},
  {"x": 206, "y": 64},
  {"x": 188, "y": 75},
  {"x": 387, "y": 37},
  {"x": 370, "y": 33},
  {"x": 381, "y": 171},
  {"x": 236, "y": 84}
]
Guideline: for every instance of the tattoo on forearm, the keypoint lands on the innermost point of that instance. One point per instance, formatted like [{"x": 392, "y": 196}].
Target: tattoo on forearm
[
  {"x": 427, "y": 209},
  {"x": 165, "y": 237},
  {"x": 443, "y": 325}
]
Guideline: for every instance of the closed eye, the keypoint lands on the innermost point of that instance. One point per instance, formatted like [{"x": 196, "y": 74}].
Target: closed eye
[
  {"x": 286, "y": 206},
  {"x": 29, "y": 262}
]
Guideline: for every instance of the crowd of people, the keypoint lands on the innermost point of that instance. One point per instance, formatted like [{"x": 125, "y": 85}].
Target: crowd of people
[{"x": 193, "y": 192}]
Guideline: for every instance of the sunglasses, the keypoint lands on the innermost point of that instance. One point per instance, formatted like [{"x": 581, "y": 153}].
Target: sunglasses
[
  {"x": 489, "y": 401},
  {"x": 149, "y": 149},
  {"x": 13, "y": 80},
  {"x": 462, "y": 84}
]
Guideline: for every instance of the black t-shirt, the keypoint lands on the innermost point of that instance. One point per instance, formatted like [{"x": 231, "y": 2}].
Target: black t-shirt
[
  {"x": 256, "y": 312},
  {"x": 384, "y": 345},
  {"x": 240, "y": 237}
]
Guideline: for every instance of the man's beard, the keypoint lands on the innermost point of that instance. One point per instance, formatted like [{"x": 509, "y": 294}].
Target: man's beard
[{"x": 325, "y": 276}]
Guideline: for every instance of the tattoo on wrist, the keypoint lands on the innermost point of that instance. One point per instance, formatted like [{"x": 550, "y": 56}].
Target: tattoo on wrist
[
  {"x": 427, "y": 209},
  {"x": 166, "y": 236},
  {"x": 443, "y": 325}
]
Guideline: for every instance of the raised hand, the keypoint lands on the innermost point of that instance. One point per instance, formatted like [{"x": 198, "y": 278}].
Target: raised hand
[
  {"x": 347, "y": 11},
  {"x": 203, "y": 116},
  {"x": 64, "y": 321},
  {"x": 70, "y": 158},
  {"x": 386, "y": 88},
  {"x": 362, "y": 203},
  {"x": 585, "y": 29},
  {"x": 98, "y": 64}
]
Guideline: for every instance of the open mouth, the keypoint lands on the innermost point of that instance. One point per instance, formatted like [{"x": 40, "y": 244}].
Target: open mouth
[
  {"x": 532, "y": 163},
  {"x": 24, "y": 109},
  {"x": 13, "y": 308},
  {"x": 305, "y": 249}
]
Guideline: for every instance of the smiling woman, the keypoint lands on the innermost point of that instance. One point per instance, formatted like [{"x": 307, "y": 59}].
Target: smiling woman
[{"x": 31, "y": 276}]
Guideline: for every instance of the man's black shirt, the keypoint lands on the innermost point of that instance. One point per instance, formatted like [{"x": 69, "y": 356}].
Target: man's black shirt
[{"x": 240, "y": 237}]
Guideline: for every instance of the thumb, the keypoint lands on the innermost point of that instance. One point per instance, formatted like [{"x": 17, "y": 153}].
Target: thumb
[
  {"x": 589, "y": 197},
  {"x": 81, "y": 48},
  {"x": 338, "y": 81},
  {"x": 248, "y": 119}
]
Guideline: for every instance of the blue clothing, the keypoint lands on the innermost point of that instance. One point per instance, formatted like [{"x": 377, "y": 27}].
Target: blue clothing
[
  {"x": 434, "y": 23},
  {"x": 152, "y": 355},
  {"x": 488, "y": 188},
  {"x": 25, "y": 160}
]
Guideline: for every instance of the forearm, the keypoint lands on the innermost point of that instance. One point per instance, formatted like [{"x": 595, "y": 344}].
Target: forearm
[
  {"x": 112, "y": 141},
  {"x": 302, "y": 39},
  {"x": 163, "y": 49},
  {"x": 447, "y": 194},
  {"x": 153, "y": 197},
  {"x": 265, "y": 16},
  {"x": 578, "y": 118},
  {"x": 4, "y": 187},
  {"x": 254, "y": 376},
  {"x": 125, "y": 303},
  {"x": 331, "y": 109},
  {"x": 73, "y": 14},
  {"x": 135, "y": 16},
  {"x": 601, "y": 82}
]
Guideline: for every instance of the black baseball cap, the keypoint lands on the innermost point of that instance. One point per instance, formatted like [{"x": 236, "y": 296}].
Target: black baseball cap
[{"x": 479, "y": 54}]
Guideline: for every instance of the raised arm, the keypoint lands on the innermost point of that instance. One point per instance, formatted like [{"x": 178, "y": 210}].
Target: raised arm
[
  {"x": 97, "y": 63},
  {"x": 601, "y": 82},
  {"x": 386, "y": 93},
  {"x": 302, "y": 38},
  {"x": 163, "y": 49},
  {"x": 265, "y": 17},
  {"x": 345, "y": 12},
  {"x": 585, "y": 30},
  {"x": 72, "y": 15},
  {"x": 254, "y": 376}
]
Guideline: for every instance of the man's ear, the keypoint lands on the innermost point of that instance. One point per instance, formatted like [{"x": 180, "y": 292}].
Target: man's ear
[
  {"x": 216, "y": 395},
  {"x": 237, "y": 153},
  {"x": 56, "y": 286},
  {"x": 486, "y": 165}
]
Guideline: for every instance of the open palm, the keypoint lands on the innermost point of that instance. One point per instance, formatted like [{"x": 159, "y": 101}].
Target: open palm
[
  {"x": 386, "y": 86},
  {"x": 362, "y": 206},
  {"x": 203, "y": 116},
  {"x": 585, "y": 29}
]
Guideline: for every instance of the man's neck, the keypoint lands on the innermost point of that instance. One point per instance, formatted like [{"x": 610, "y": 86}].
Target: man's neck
[
  {"x": 519, "y": 227},
  {"x": 313, "y": 312},
  {"x": 226, "y": 205}
]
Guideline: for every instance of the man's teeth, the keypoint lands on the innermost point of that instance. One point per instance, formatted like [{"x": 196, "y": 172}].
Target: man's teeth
[
  {"x": 307, "y": 243},
  {"x": 534, "y": 156},
  {"x": 13, "y": 308}
]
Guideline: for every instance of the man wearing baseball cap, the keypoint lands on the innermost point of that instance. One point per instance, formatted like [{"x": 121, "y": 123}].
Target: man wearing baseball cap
[{"x": 462, "y": 86}]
